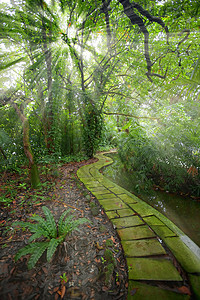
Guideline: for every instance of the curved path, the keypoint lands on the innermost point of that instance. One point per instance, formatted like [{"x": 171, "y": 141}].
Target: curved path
[{"x": 154, "y": 247}]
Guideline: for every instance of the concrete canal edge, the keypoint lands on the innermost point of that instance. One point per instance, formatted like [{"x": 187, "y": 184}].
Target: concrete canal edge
[{"x": 149, "y": 240}]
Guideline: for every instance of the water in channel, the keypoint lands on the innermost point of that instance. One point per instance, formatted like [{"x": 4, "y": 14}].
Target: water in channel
[{"x": 184, "y": 212}]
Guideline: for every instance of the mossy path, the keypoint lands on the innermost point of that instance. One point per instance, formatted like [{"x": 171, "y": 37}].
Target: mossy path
[{"x": 163, "y": 262}]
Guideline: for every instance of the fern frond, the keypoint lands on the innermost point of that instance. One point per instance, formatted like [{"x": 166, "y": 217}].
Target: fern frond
[
  {"x": 79, "y": 222},
  {"x": 69, "y": 227},
  {"x": 64, "y": 225},
  {"x": 28, "y": 249},
  {"x": 39, "y": 232},
  {"x": 61, "y": 220},
  {"x": 50, "y": 222},
  {"x": 53, "y": 244},
  {"x": 30, "y": 226},
  {"x": 41, "y": 222},
  {"x": 39, "y": 250}
]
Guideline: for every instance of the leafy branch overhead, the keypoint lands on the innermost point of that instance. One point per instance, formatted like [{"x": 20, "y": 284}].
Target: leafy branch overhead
[{"x": 52, "y": 233}]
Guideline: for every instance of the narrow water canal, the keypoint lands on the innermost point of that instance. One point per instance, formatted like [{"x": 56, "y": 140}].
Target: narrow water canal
[{"x": 184, "y": 212}]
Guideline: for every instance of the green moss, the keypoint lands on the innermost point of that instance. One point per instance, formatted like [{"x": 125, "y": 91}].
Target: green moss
[
  {"x": 109, "y": 273},
  {"x": 109, "y": 243},
  {"x": 35, "y": 179},
  {"x": 110, "y": 257}
]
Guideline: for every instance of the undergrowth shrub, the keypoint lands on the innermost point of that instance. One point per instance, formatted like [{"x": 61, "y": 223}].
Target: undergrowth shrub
[
  {"x": 172, "y": 166},
  {"x": 53, "y": 234}
]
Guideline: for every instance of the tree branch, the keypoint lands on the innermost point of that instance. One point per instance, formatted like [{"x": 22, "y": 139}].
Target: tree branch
[
  {"x": 136, "y": 20},
  {"x": 130, "y": 116}
]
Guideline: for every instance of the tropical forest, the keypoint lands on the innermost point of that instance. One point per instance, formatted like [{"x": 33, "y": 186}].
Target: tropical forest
[{"x": 85, "y": 84}]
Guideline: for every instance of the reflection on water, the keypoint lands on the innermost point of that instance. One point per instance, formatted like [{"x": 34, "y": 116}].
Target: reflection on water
[{"x": 184, "y": 212}]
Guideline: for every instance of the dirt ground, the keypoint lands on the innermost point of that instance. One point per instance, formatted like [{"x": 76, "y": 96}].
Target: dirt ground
[{"x": 79, "y": 268}]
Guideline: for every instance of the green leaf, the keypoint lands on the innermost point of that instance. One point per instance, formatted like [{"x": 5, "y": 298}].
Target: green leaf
[
  {"x": 50, "y": 222},
  {"x": 42, "y": 224},
  {"x": 53, "y": 244},
  {"x": 65, "y": 225},
  {"x": 6, "y": 65},
  {"x": 26, "y": 250},
  {"x": 39, "y": 233},
  {"x": 40, "y": 247},
  {"x": 61, "y": 221}
]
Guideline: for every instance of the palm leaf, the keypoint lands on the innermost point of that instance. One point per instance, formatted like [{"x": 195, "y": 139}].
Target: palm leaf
[
  {"x": 6, "y": 65},
  {"x": 39, "y": 250},
  {"x": 50, "y": 222}
]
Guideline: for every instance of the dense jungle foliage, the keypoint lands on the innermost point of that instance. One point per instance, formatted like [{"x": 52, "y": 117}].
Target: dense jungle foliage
[{"x": 81, "y": 76}]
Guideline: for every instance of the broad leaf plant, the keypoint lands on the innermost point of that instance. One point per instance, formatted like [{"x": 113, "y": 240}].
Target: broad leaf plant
[{"x": 53, "y": 234}]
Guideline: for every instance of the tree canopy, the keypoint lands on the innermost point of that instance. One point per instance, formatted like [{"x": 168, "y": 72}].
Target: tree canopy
[{"x": 77, "y": 75}]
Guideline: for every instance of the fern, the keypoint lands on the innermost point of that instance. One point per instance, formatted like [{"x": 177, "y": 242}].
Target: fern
[
  {"x": 39, "y": 250},
  {"x": 42, "y": 223},
  {"x": 38, "y": 233},
  {"x": 52, "y": 247},
  {"x": 29, "y": 249},
  {"x": 61, "y": 221},
  {"x": 63, "y": 226},
  {"x": 51, "y": 224},
  {"x": 53, "y": 234}
]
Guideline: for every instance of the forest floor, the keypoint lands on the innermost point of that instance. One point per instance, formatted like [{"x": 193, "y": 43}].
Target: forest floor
[{"x": 79, "y": 268}]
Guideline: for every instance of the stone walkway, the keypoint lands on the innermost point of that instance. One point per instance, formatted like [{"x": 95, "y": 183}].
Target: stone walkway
[{"x": 159, "y": 255}]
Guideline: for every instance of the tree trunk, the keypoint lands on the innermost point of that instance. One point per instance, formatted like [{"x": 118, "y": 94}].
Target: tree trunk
[
  {"x": 3, "y": 153},
  {"x": 35, "y": 179}
]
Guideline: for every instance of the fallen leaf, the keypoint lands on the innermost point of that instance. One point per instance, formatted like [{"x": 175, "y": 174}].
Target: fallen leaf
[
  {"x": 56, "y": 289},
  {"x": 184, "y": 289},
  {"x": 45, "y": 270},
  {"x": 56, "y": 296},
  {"x": 63, "y": 289},
  {"x": 99, "y": 247},
  {"x": 112, "y": 238}
]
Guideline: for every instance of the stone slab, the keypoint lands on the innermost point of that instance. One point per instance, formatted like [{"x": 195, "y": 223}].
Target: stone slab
[
  {"x": 141, "y": 248},
  {"x": 107, "y": 183},
  {"x": 112, "y": 214},
  {"x": 142, "y": 291},
  {"x": 105, "y": 192},
  {"x": 127, "y": 222},
  {"x": 95, "y": 172},
  {"x": 86, "y": 181},
  {"x": 188, "y": 260},
  {"x": 135, "y": 233},
  {"x": 94, "y": 184},
  {"x": 153, "y": 220},
  {"x": 99, "y": 189},
  {"x": 107, "y": 196},
  {"x": 162, "y": 231},
  {"x": 82, "y": 174},
  {"x": 195, "y": 283},
  {"x": 126, "y": 198},
  {"x": 152, "y": 269},
  {"x": 125, "y": 212},
  {"x": 112, "y": 205},
  {"x": 142, "y": 209},
  {"x": 117, "y": 190}
]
